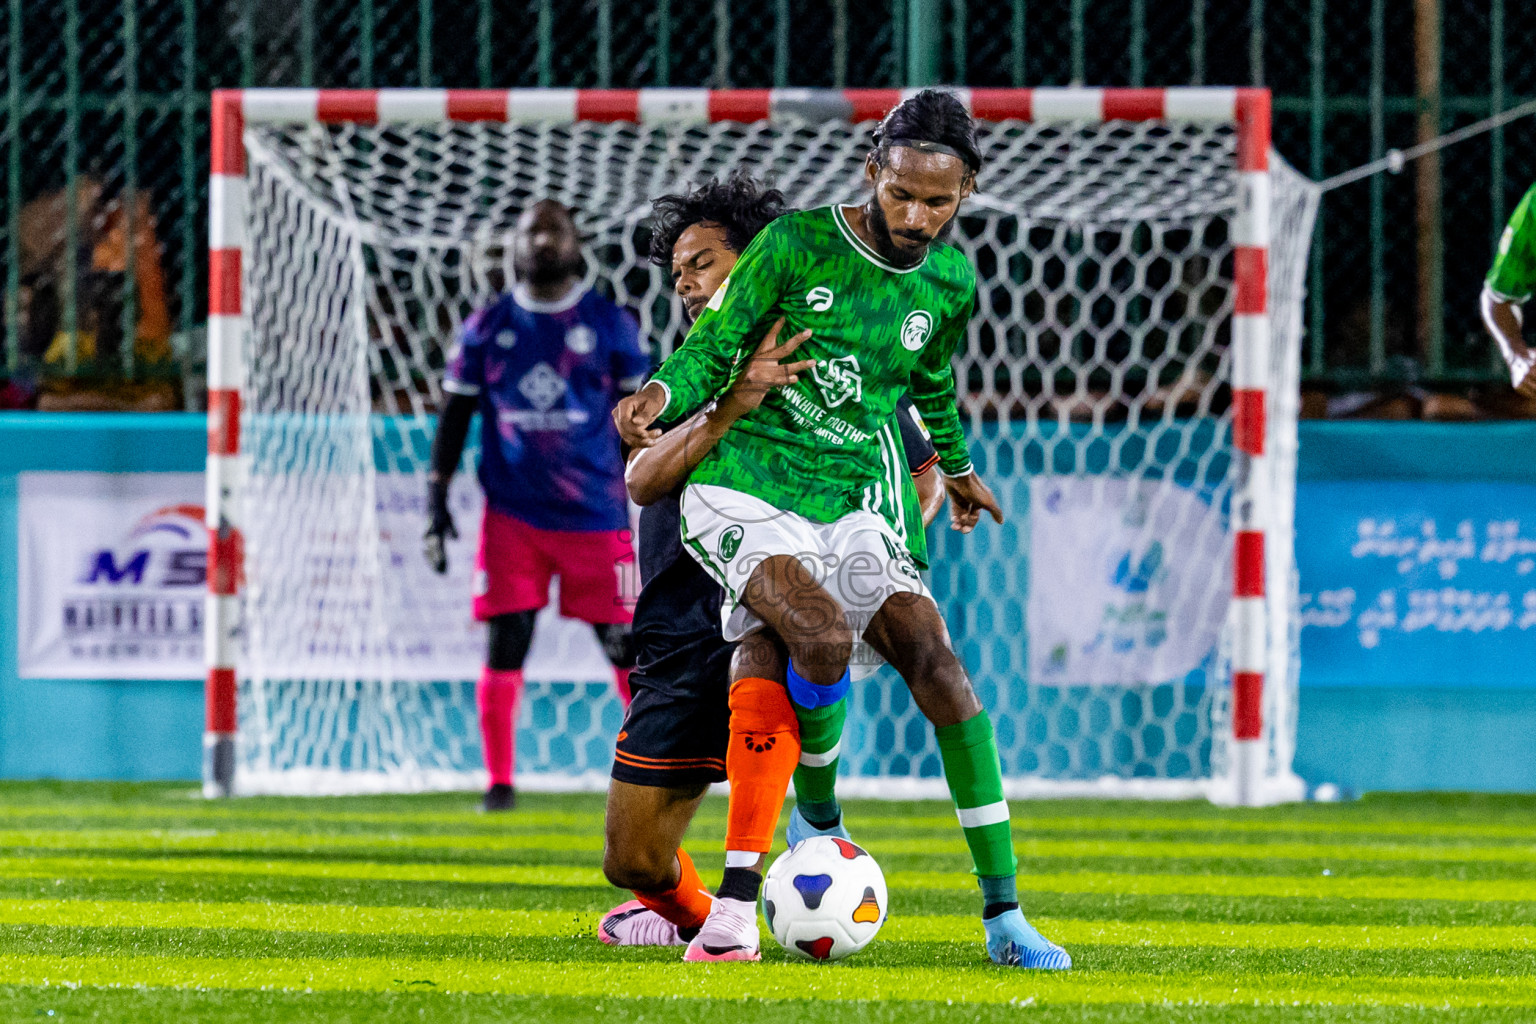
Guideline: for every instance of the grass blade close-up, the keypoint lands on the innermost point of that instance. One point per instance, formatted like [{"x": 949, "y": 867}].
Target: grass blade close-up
[{"x": 144, "y": 903}]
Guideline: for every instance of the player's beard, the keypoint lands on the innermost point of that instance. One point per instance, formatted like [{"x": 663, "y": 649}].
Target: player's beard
[{"x": 885, "y": 243}]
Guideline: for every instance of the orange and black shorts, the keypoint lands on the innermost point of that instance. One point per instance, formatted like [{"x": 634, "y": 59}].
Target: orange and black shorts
[{"x": 678, "y": 726}]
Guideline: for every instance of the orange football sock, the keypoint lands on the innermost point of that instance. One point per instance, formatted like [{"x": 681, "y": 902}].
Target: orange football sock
[
  {"x": 687, "y": 903},
  {"x": 764, "y": 750}
]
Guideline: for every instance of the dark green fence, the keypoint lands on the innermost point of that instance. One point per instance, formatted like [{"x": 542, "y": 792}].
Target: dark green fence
[{"x": 105, "y": 133}]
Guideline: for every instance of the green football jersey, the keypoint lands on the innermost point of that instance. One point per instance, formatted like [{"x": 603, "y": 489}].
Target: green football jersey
[
  {"x": 1513, "y": 275},
  {"x": 825, "y": 446}
]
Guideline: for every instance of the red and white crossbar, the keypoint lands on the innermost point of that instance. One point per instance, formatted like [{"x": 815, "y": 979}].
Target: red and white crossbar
[{"x": 1247, "y": 109}]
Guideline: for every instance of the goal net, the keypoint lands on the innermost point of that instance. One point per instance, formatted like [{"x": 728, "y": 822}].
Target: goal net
[{"x": 1128, "y": 386}]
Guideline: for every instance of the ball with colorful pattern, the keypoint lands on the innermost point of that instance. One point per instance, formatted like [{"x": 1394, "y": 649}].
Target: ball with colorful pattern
[{"x": 824, "y": 899}]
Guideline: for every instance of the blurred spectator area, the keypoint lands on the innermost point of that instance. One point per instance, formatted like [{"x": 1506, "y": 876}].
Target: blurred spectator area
[{"x": 104, "y": 115}]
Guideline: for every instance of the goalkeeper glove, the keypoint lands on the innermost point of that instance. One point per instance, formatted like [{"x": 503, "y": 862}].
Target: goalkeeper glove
[{"x": 439, "y": 528}]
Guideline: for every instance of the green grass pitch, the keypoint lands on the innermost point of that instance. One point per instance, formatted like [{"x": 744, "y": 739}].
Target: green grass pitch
[{"x": 147, "y": 904}]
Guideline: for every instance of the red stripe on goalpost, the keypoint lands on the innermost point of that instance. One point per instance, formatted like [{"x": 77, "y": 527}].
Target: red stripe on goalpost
[
  {"x": 1003, "y": 104},
  {"x": 227, "y": 128},
  {"x": 744, "y": 105},
  {"x": 223, "y": 421},
  {"x": 224, "y": 282},
  {"x": 870, "y": 104},
  {"x": 1253, "y": 129},
  {"x": 1249, "y": 416},
  {"x": 1247, "y": 705},
  {"x": 608, "y": 105},
  {"x": 1248, "y": 564},
  {"x": 1134, "y": 104},
  {"x": 477, "y": 104},
  {"x": 219, "y": 701},
  {"x": 360, "y": 106},
  {"x": 226, "y": 561}
]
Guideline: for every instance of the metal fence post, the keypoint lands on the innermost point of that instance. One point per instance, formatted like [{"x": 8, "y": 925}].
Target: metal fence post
[
  {"x": 1317, "y": 360},
  {"x": 1378, "y": 190},
  {"x": 923, "y": 29},
  {"x": 13, "y": 192},
  {"x": 71, "y": 284},
  {"x": 1428, "y": 186},
  {"x": 129, "y": 204}
]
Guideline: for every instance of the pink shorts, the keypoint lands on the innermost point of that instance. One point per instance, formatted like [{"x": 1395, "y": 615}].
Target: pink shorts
[{"x": 516, "y": 562}]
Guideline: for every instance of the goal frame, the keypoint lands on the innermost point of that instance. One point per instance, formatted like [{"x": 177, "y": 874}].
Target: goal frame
[{"x": 1247, "y": 109}]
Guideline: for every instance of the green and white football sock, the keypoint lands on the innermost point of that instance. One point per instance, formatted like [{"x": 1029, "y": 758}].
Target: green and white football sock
[
  {"x": 975, "y": 778},
  {"x": 821, "y": 739}
]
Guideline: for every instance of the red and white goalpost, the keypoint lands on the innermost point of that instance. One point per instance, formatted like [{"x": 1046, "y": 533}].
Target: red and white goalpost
[{"x": 1134, "y": 364}]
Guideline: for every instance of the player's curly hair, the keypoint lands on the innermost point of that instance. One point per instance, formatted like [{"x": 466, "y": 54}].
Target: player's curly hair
[
  {"x": 932, "y": 115},
  {"x": 740, "y": 204}
]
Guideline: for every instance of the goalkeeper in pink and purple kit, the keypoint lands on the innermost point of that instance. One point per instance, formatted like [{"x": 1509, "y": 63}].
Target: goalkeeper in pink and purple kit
[{"x": 544, "y": 367}]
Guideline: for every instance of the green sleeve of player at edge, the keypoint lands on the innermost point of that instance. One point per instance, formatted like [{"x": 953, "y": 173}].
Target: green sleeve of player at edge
[
  {"x": 706, "y": 363},
  {"x": 1513, "y": 275},
  {"x": 932, "y": 389}
]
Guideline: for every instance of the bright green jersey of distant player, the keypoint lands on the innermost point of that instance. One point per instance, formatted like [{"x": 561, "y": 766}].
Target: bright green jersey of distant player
[
  {"x": 826, "y": 446},
  {"x": 1513, "y": 276}
]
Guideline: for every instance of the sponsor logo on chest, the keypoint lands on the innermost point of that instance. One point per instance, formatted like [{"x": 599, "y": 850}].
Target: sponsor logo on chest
[
  {"x": 542, "y": 387},
  {"x": 839, "y": 380}
]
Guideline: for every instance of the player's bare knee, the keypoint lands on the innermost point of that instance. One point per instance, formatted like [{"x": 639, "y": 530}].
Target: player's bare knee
[
  {"x": 940, "y": 687},
  {"x": 635, "y": 867},
  {"x": 760, "y": 655}
]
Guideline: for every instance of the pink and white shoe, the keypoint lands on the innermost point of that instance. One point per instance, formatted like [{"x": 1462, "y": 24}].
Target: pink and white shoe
[
  {"x": 729, "y": 933},
  {"x": 633, "y": 924}
]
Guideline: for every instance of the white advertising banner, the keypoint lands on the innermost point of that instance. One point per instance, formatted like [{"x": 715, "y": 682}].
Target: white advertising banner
[
  {"x": 112, "y": 577},
  {"x": 1129, "y": 580}
]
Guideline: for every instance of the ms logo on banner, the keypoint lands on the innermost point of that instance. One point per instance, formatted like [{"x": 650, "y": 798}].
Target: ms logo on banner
[{"x": 839, "y": 380}]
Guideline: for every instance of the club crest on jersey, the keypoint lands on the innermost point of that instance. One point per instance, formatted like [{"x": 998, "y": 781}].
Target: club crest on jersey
[
  {"x": 505, "y": 339},
  {"x": 730, "y": 542},
  {"x": 915, "y": 330},
  {"x": 542, "y": 386},
  {"x": 839, "y": 380},
  {"x": 581, "y": 339},
  {"x": 819, "y": 299}
]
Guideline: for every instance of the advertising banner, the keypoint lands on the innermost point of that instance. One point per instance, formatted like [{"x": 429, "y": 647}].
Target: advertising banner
[
  {"x": 1407, "y": 584},
  {"x": 112, "y": 577},
  {"x": 1129, "y": 580}
]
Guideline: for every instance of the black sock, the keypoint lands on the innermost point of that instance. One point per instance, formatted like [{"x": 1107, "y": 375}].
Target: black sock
[
  {"x": 740, "y": 884},
  {"x": 991, "y": 910},
  {"x": 822, "y": 824}
]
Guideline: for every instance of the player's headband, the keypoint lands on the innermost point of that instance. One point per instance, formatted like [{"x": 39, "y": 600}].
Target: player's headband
[{"x": 925, "y": 146}]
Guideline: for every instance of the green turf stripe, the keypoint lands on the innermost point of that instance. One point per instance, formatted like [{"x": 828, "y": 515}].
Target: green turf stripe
[
  {"x": 124, "y": 867},
  {"x": 244, "y": 840},
  {"x": 622, "y": 980},
  {"x": 335, "y": 919},
  {"x": 1108, "y": 884},
  {"x": 323, "y": 812}
]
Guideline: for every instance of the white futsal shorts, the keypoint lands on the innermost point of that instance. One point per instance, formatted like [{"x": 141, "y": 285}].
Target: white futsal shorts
[{"x": 858, "y": 559}]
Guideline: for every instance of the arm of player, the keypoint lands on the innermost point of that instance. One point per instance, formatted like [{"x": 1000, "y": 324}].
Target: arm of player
[
  {"x": 932, "y": 387},
  {"x": 922, "y": 459},
  {"x": 703, "y": 366},
  {"x": 462, "y": 380},
  {"x": 658, "y": 470},
  {"x": 1511, "y": 280},
  {"x": 447, "y": 448}
]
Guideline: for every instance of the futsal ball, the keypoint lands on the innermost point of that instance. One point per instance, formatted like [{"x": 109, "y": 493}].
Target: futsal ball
[{"x": 824, "y": 898}]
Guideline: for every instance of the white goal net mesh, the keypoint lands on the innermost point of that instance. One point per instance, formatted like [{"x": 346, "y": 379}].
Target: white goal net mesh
[{"x": 1095, "y": 385}]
